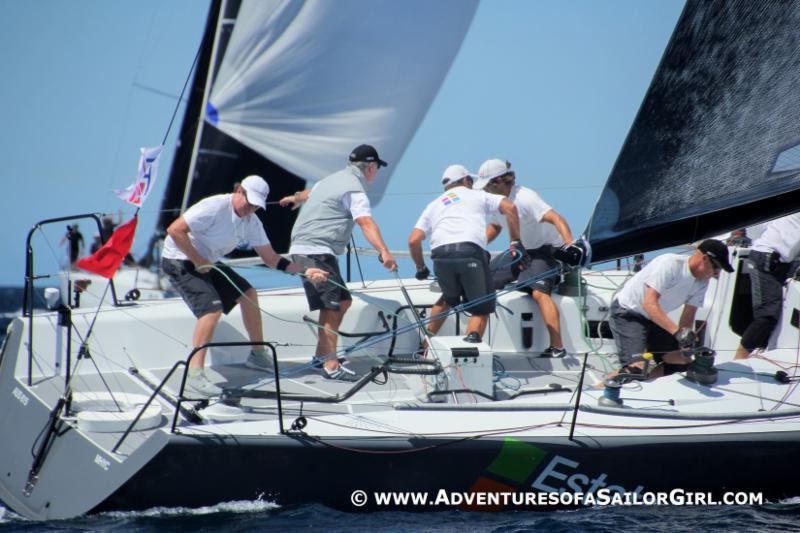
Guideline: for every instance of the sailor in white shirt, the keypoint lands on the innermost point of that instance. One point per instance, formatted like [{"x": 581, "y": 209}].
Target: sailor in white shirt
[
  {"x": 639, "y": 319},
  {"x": 769, "y": 264},
  {"x": 542, "y": 231},
  {"x": 456, "y": 225},
  {"x": 196, "y": 241}
]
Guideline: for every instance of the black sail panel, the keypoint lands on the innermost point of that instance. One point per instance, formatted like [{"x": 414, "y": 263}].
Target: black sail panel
[{"x": 716, "y": 143}]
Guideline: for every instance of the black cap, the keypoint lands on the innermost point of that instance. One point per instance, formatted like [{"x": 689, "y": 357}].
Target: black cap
[
  {"x": 717, "y": 251},
  {"x": 365, "y": 152}
]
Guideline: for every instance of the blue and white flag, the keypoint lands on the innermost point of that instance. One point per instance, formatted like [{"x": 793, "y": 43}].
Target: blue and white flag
[{"x": 146, "y": 175}]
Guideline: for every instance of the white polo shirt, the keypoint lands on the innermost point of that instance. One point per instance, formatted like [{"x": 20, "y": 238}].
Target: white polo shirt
[
  {"x": 215, "y": 229},
  {"x": 668, "y": 274},
  {"x": 781, "y": 235},
  {"x": 458, "y": 215},
  {"x": 533, "y": 232}
]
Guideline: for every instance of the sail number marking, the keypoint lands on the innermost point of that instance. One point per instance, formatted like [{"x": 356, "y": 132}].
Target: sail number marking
[
  {"x": 102, "y": 462},
  {"x": 19, "y": 395}
]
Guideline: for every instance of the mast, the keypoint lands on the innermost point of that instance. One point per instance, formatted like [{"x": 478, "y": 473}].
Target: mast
[{"x": 201, "y": 119}]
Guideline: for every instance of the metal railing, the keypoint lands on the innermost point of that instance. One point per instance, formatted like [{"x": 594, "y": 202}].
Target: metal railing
[{"x": 30, "y": 278}]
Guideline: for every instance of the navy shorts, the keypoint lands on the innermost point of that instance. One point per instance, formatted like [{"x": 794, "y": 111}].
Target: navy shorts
[
  {"x": 504, "y": 271},
  {"x": 205, "y": 293},
  {"x": 462, "y": 270},
  {"x": 323, "y": 295}
]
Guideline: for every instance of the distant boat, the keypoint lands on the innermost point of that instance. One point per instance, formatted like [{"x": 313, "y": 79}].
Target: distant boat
[{"x": 100, "y": 403}]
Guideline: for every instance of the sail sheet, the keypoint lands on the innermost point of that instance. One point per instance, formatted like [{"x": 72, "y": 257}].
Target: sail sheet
[
  {"x": 302, "y": 83},
  {"x": 716, "y": 143}
]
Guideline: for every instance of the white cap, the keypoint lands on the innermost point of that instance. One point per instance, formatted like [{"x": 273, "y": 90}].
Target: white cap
[
  {"x": 454, "y": 173},
  {"x": 490, "y": 169},
  {"x": 257, "y": 190}
]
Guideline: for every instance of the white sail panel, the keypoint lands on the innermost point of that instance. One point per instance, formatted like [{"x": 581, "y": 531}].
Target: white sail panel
[{"x": 303, "y": 83}]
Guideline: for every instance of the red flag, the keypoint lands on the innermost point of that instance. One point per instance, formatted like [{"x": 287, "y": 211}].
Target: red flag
[{"x": 109, "y": 257}]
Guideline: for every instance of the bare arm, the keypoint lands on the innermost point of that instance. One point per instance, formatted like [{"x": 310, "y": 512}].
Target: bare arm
[
  {"x": 295, "y": 199},
  {"x": 656, "y": 313},
  {"x": 373, "y": 235},
  {"x": 271, "y": 259},
  {"x": 179, "y": 231},
  {"x": 508, "y": 208},
  {"x": 687, "y": 317},
  {"x": 561, "y": 225},
  {"x": 492, "y": 231},
  {"x": 415, "y": 247}
]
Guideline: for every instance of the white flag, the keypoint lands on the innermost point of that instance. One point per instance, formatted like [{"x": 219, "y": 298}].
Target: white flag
[{"x": 146, "y": 175}]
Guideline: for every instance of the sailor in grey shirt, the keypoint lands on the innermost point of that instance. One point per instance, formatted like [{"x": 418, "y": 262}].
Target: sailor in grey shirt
[{"x": 331, "y": 210}]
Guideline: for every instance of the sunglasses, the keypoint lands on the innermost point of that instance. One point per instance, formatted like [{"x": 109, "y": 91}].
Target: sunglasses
[{"x": 505, "y": 179}]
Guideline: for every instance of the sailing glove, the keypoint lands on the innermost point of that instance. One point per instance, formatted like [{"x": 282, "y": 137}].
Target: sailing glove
[
  {"x": 422, "y": 273},
  {"x": 686, "y": 338},
  {"x": 572, "y": 254},
  {"x": 519, "y": 254}
]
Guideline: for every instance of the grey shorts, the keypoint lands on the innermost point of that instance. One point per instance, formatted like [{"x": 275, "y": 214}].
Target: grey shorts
[
  {"x": 636, "y": 334},
  {"x": 504, "y": 271},
  {"x": 205, "y": 293},
  {"x": 323, "y": 295},
  {"x": 462, "y": 270}
]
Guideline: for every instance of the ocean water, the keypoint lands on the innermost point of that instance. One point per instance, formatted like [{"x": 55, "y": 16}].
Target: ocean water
[{"x": 265, "y": 516}]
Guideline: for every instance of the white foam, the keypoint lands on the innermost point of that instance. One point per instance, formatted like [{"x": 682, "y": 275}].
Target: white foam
[{"x": 240, "y": 506}]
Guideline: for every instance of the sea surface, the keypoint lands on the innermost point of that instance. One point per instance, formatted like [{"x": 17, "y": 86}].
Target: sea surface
[{"x": 264, "y": 516}]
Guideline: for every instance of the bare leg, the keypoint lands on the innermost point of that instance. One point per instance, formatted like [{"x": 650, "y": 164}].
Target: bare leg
[
  {"x": 203, "y": 333},
  {"x": 550, "y": 316},
  {"x": 251, "y": 316},
  {"x": 331, "y": 319},
  {"x": 741, "y": 353},
  {"x": 439, "y": 307},
  {"x": 477, "y": 323}
]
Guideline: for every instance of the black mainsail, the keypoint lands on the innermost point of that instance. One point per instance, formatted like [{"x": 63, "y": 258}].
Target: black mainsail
[{"x": 716, "y": 143}]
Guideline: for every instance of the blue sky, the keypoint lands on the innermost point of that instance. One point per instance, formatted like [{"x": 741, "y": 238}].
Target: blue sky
[{"x": 552, "y": 86}]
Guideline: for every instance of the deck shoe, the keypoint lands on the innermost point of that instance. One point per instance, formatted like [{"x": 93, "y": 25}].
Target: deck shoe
[
  {"x": 473, "y": 336},
  {"x": 260, "y": 361},
  {"x": 552, "y": 351},
  {"x": 319, "y": 361},
  {"x": 199, "y": 384},
  {"x": 340, "y": 374}
]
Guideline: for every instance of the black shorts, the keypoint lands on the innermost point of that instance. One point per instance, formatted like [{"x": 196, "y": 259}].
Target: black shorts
[
  {"x": 323, "y": 295},
  {"x": 504, "y": 271},
  {"x": 205, "y": 293},
  {"x": 766, "y": 285},
  {"x": 462, "y": 270},
  {"x": 636, "y": 334}
]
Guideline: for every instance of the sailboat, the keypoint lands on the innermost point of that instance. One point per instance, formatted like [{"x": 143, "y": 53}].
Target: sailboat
[{"x": 713, "y": 147}]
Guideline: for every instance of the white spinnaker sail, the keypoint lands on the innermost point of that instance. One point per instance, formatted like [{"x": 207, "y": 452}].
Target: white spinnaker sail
[{"x": 303, "y": 82}]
